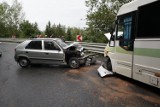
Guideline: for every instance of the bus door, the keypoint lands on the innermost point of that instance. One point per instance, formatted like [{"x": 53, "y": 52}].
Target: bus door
[{"x": 124, "y": 46}]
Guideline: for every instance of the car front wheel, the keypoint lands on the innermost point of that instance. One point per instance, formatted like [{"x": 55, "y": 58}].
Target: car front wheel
[
  {"x": 23, "y": 62},
  {"x": 74, "y": 63}
]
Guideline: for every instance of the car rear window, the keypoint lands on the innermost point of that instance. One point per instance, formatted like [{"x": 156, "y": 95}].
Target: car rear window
[{"x": 34, "y": 45}]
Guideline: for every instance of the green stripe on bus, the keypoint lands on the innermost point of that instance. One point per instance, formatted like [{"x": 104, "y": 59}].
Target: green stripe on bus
[
  {"x": 139, "y": 51},
  {"x": 121, "y": 50},
  {"x": 110, "y": 49},
  {"x": 147, "y": 52}
]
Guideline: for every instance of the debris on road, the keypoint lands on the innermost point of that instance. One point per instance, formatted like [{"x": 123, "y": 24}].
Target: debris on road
[{"x": 104, "y": 72}]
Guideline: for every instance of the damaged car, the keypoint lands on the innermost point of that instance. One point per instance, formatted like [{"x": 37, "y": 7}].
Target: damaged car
[{"x": 51, "y": 51}]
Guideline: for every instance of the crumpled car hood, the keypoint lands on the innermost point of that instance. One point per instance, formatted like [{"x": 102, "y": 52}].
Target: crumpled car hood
[{"x": 76, "y": 45}]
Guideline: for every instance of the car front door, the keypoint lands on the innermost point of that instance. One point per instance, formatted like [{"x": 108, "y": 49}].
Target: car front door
[{"x": 52, "y": 52}]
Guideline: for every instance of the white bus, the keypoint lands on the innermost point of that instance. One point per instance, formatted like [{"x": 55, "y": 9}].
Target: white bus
[{"x": 136, "y": 52}]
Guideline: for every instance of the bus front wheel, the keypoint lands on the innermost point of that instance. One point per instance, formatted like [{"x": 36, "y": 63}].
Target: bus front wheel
[{"x": 108, "y": 64}]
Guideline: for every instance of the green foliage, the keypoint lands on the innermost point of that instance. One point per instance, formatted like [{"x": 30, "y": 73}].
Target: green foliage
[
  {"x": 48, "y": 30},
  {"x": 55, "y": 30},
  {"x": 60, "y": 31},
  {"x": 100, "y": 17},
  {"x": 68, "y": 36},
  {"x": 10, "y": 16},
  {"x": 92, "y": 35},
  {"x": 74, "y": 32},
  {"x": 28, "y": 29}
]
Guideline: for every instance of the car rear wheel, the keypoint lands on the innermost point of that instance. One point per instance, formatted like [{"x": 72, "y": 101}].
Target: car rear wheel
[
  {"x": 23, "y": 62},
  {"x": 74, "y": 63}
]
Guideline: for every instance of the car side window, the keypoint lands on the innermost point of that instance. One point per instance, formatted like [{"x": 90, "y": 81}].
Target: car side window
[
  {"x": 49, "y": 45},
  {"x": 34, "y": 45}
]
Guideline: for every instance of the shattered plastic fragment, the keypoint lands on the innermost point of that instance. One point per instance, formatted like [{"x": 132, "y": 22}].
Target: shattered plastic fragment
[{"x": 104, "y": 72}]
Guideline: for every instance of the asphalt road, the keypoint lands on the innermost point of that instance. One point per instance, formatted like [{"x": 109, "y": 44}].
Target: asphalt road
[{"x": 60, "y": 86}]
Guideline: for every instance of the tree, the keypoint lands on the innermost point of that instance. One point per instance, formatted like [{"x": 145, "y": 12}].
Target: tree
[
  {"x": 48, "y": 30},
  {"x": 55, "y": 30},
  {"x": 68, "y": 36},
  {"x": 16, "y": 16},
  {"x": 101, "y": 15},
  {"x": 60, "y": 31},
  {"x": 36, "y": 29},
  {"x": 74, "y": 32},
  {"x": 28, "y": 29},
  {"x": 3, "y": 19},
  {"x": 54, "y": 27},
  {"x": 11, "y": 16}
]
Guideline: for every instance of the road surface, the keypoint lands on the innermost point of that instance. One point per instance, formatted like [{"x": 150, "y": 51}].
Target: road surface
[{"x": 60, "y": 86}]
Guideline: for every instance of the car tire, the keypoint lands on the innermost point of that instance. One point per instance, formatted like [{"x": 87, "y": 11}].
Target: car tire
[
  {"x": 23, "y": 62},
  {"x": 74, "y": 63},
  {"x": 108, "y": 64}
]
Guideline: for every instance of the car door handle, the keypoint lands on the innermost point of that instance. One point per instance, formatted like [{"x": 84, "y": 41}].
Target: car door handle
[
  {"x": 27, "y": 52},
  {"x": 46, "y": 53}
]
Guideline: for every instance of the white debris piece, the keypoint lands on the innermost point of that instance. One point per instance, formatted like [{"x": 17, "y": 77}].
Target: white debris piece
[{"x": 103, "y": 72}]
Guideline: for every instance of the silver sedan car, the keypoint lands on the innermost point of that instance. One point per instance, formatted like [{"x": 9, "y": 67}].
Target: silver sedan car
[{"x": 50, "y": 51}]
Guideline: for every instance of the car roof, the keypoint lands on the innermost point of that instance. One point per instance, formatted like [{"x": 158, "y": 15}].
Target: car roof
[{"x": 49, "y": 39}]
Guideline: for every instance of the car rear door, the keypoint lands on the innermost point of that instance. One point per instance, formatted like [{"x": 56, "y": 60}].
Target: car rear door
[{"x": 34, "y": 51}]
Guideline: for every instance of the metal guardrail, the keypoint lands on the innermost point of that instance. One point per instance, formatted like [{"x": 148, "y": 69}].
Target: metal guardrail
[
  {"x": 14, "y": 40},
  {"x": 92, "y": 47}
]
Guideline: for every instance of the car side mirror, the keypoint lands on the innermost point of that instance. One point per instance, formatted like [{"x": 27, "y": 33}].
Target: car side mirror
[{"x": 58, "y": 49}]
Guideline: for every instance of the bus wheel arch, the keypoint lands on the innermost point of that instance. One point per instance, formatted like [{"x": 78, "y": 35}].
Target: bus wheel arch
[{"x": 108, "y": 64}]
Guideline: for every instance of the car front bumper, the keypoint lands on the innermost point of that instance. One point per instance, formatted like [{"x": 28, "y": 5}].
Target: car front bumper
[{"x": 87, "y": 59}]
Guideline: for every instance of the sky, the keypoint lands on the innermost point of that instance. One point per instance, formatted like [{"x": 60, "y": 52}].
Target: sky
[{"x": 65, "y": 12}]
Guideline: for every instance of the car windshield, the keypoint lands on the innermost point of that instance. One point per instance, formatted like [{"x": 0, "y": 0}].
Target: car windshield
[{"x": 61, "y": 43}]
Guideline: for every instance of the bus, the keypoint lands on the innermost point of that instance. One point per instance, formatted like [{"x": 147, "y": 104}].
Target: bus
[{"x": 133, "y": 49}]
